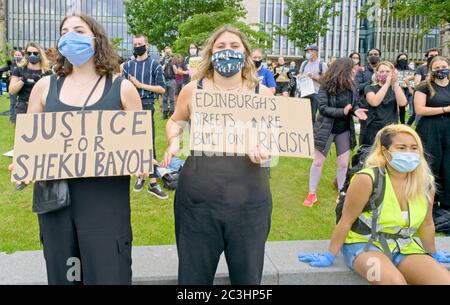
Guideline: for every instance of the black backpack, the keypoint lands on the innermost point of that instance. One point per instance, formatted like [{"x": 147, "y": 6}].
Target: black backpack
[
  {"x": 375, "y": 199},
  {"x": 171, "y": 180}
]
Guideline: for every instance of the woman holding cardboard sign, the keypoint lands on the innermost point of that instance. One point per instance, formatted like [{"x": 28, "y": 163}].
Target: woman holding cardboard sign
[
  {"x": 93, "y": 234},
  {"x": 223, "y": 203}
]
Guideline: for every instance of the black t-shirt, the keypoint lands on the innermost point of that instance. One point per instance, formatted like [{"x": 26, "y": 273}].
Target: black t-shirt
[
  {"x": 32, "y": 77},
  {"x": 386, "y": 113},
  {"x": 422, "y": 71},
  {"x": 341, "y": 125},
  {"x": 441, "y": 97}
]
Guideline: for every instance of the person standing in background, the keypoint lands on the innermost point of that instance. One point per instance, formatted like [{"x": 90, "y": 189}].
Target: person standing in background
[
  {"x": 401, "y": 64},
  {"x": 356, "y": 58},
  {"x": 170, "y": 70},
  {"x": 363, "y": 78},
  {"x": 281, "y": 77},
  {"x": 432, "y": 103},
  {"x": 30, "y": 70},
  {"x": 313, "y": 68},
  {"x": 147, "y": 76},
  {"x": 384, "y": 97},
  {"x": 266, "y": 77}
]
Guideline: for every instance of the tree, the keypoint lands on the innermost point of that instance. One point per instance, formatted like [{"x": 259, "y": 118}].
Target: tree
[
  {"x": 436, "y": 12},
  {"x": 308, "y": 20},
  {"x": 116, "y": 42},
  {"x": 159, "y": 20},
  {"x": 198, "y": 28}
]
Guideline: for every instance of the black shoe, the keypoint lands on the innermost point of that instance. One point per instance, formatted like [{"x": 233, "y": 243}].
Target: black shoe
[
  {"x": 21, "y": 186},
  {"x": 165, "y": 117},
  {"x": 139, "y": 185},
  {"x": 157, "y": 191}
]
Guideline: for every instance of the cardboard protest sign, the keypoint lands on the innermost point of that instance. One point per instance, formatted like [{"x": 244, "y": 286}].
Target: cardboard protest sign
[
  {"x": 403, "y": 75},
  {"x": 60, "y": 145},
  {"x": 306, "y": 86},
  {"x": 234, "y": 123},
  {"x": 194, "y": 62}
]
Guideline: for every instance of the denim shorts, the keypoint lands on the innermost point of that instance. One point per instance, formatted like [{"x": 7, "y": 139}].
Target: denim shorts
[{"x": 351, "y": 251}]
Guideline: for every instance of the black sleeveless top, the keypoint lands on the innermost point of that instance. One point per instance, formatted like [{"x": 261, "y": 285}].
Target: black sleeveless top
[
  {"x": 111, "y": 190},
  {"x": 110, "y": 99},
  {"x": 223, "y": 180}
]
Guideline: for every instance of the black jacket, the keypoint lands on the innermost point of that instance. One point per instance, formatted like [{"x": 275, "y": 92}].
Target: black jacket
[
  {"x": 363, "y": 78},
  {"x": 328, "y": 112}
]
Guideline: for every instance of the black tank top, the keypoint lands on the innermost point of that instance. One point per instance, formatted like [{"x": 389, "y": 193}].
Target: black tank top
[
  {"x": 109, "y": 189},
  {"x": 110, "y": 99}
]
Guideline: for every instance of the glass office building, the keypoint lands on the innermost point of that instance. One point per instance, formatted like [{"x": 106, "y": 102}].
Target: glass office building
[
  {"x": 347, "y": 33},
  {"x": 39, "y": 20}
]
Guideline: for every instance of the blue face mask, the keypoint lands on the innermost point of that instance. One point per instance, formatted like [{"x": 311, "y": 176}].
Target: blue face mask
[
  {"x": 308, "y": 56},
  {"x": 76, "y": 48},
  {"x": 404, "y": 162},
  {"x": 228, "y": 62}
]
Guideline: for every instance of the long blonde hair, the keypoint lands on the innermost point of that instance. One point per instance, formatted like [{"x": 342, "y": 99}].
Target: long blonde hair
[
  {"x": 420, "y": 182},
  {"x": 206, "y": 70},
  {"x": 430, "y": 79},
  {"x": 375, "y": 72},
  {"x": 45, "y": 65}
]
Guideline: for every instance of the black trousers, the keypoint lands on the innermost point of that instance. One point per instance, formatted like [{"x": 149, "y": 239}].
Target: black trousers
[
  {"x": 435, "y": 134},
  {"x": 370, "y": 133},
  {"x": 362, "y": 130},
  {"x": 146, "y": 105},
  {"x": 89, "y": 242},
  {"x": 402, "y": 114},
  {"x": 230, "y": 219}
]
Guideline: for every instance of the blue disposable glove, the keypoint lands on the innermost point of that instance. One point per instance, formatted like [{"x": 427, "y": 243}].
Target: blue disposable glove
[
  {"x": 441, "y": 256},
  {"x": 317, "y": 259}
]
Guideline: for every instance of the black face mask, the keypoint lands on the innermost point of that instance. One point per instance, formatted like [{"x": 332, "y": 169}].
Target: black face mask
[
  {"x": 139, "y": 51},
  {"x": 403, "y": 64},
  {"x": 257, "y": 63},
  {"x": 34, "y": 59},
  {"x": 373, "y": 60}
]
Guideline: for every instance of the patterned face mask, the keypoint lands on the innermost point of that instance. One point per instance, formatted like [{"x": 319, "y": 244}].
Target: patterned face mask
[
  {"x": 441, "y": 73},
  {"x": 228, "y": 62}
]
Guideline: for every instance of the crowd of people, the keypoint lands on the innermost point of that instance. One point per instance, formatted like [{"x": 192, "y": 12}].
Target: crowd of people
[{"x": 224, "y": 203}]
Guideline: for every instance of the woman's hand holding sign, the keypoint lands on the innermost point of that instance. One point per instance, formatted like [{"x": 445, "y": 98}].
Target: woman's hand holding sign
[{"x": 259, "y": 154}]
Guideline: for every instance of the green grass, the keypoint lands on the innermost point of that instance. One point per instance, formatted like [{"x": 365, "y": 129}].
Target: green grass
[{"x": 153, "y": 220}]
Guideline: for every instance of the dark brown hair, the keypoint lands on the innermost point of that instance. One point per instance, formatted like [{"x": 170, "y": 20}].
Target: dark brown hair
[
  {"x": 106, "y": 59},
  {"x": 338, "y": 77}
]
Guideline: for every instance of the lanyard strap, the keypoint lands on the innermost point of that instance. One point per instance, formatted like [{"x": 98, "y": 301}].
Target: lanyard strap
[{"x": 90, "y": 94}]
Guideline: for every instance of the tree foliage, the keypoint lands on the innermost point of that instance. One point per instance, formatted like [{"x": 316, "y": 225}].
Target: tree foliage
[
  {"x": 160, "y": 20},
  {"x": 198, "y": 28},
  {"x": 436, "y": 12},
  {"x": 308, "y": 20}
]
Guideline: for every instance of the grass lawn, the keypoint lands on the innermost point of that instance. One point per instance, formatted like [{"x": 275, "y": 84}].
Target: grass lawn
[{"x": 153, "y": 220}]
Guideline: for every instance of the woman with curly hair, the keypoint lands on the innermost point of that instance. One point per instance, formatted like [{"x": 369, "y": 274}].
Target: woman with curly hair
[{"x": 95, "y": 230}]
